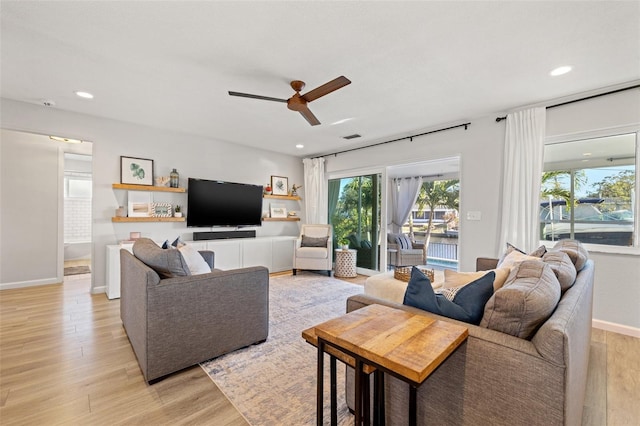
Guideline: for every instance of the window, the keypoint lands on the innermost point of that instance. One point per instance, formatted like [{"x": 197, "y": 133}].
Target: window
[{"x": 589, "y": 191}]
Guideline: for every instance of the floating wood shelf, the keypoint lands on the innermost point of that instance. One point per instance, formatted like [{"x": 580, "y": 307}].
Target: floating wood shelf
[
  {"x": 148, "y": 219},
  {"x": 130, "y": 187},
  {"x": 283, "y": 197},
  {"x": 280, "y": 219}
]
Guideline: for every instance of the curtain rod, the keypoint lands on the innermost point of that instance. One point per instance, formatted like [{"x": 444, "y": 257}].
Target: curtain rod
[
  {"x": 465, "y": 125},
  {"x": 499, "y": 119}
]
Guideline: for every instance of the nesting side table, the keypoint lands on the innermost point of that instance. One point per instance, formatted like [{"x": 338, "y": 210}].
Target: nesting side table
[{"x": 346, "y": 263}]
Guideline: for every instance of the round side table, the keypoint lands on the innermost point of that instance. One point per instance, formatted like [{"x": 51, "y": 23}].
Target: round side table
[{"x": 346, "y": 263}]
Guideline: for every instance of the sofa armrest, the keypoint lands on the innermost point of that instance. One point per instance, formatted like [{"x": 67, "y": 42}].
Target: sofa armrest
[{"x": 417, "y": 245}]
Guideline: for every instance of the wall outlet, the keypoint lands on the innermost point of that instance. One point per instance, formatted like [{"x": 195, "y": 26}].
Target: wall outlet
[{"x": 475, "y": 215}]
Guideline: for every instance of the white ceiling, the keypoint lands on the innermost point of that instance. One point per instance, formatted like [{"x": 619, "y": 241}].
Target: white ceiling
[{"x": 413, "y": 65}]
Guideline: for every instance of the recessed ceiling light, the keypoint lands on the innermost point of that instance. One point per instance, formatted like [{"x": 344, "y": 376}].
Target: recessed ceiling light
[
  {"x": 560, "y": 70},
  {"x": 85, "y": 95},
  {"x": 67, "y": 140},
  {"x": 587, "y": 154},
  {"x": 299, "y": 146}
]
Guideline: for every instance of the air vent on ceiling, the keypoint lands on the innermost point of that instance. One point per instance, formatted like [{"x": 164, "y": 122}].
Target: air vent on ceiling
[{"x": 355, "y": 135}]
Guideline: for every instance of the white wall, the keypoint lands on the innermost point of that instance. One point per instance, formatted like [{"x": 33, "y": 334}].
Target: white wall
[
  {"x": 193, "y": 156},
  {"x": 30, "y": 210},
  {"x": 617, "y": 280}
]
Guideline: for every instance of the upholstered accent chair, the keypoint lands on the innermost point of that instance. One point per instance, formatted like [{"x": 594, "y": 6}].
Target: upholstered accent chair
[
  {"x": 405, "y": 252},
  {"x": 313, "y": 249}
]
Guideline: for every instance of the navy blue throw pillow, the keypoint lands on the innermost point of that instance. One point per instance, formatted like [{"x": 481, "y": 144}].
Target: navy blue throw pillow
[{"x": 467, "y": 305}]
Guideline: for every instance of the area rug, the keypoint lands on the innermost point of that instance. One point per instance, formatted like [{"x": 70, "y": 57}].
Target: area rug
[
  {"x": 274, "y": 383},
  {"x": 76, "y": 270}
]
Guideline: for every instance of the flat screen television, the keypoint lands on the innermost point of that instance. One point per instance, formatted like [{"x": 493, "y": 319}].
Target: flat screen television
[{"x": 216, "y": 203}]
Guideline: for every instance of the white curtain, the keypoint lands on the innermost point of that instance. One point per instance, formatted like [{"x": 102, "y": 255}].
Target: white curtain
[
  {"x": 315, "y": 193},
  {"x": 523, "y": 160},
  {"x": 404, "y": 193}
]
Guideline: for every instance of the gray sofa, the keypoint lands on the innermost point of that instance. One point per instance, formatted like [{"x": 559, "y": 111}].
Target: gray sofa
[
  {"x": 499, "y": 379},
  {"x": 173, "y": 323}
]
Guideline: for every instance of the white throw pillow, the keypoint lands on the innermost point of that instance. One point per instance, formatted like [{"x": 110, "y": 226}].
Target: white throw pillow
[{"x": 196, "y": 263}]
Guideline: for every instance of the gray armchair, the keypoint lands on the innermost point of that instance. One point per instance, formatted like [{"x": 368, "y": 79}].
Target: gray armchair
[
  {"x": 405, "y": 252},
  {"x": 173, "y": 323}
]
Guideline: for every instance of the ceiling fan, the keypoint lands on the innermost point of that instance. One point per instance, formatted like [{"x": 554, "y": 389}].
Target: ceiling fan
[{"x": 299, "y": 102}]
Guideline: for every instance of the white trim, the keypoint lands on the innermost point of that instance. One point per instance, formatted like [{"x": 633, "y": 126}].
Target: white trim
[
  {"x": 99, "y": 289},
  {"x": 616, "y": 328},
  {"x": 32, "y": 283},
  {"x": 592, "y": 134}
]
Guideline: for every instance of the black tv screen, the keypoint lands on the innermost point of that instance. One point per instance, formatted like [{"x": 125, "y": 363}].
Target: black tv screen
[{"x": 216, "y": 203}]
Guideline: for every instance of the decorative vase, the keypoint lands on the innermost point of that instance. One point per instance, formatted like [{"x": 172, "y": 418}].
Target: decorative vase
[
  {"x": 177, "y": 214},
  {"x": 174, "y": 179}
]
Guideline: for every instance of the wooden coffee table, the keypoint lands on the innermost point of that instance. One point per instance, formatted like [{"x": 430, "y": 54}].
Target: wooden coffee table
[{"x": 406, "y": 345}]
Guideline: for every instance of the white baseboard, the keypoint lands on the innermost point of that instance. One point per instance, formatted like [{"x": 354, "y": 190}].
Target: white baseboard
[
  {"x": 616, "y": 328},
  {"x": 32, "y": 283},
  {"x": 98, "y": 290}
]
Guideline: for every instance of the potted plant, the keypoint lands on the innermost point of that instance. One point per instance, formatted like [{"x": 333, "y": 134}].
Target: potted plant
[
  {"x": 345, "y": 244},
  {"x": 178, "y": 211}
]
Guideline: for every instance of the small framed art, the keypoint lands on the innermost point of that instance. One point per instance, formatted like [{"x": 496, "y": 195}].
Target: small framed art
[
  {"x": 161, "y": 210},
  {"x": 136, "y": 171},
  {"x": 139, "y": 203},
  {"x": 278, "y": 210},
  {"x": 279, "y": 185}
]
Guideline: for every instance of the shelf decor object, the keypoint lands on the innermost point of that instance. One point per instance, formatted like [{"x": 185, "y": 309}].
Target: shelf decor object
[
  {"x": 280, "y": 185},
  {"x": 139, "y": 203},
  {"x": 138, "y": 171},
  {"x": 278, "y": 211},
  {"x": 161, "y": 210}
]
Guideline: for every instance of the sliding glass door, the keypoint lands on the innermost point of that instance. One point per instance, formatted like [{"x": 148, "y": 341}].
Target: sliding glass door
[{"x": 354, "y": 212}]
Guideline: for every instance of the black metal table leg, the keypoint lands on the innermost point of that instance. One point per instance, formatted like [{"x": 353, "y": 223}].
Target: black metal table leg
[
  {"x": 334, "y": 391},
  {"x": 412, "y": 406},
  {"x": 366, "y": 399},
  {"x": 358, "y": 392},
  {"x": 378, "y": 395},
  {"x": 320, "y": 379}
]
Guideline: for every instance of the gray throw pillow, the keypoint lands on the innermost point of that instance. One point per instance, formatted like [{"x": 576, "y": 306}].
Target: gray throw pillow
[
  {"x": 576, "y": 251},
  {"x": 562, "y": 266},
  {"x": 526, "y": 300},
  {"x": 313, "y": 241},
  {"x": 167, "y": 263}
]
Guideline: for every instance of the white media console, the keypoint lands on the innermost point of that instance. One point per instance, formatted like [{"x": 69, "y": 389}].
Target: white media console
[{"x": 275, "y": 253}]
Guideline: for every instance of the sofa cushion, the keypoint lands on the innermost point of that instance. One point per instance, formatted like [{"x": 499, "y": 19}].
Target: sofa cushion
[
  {"x": 167, "y": 263},
  {"x": 467, "y": 304},
  {"x": 454, "y": 279},
  {"x": 195, "y": 262},
  {"x": 561, "y": 264},
  {"x": 313, "y": 241},
  {"x": 365, "y": 244},
  {"x": 576, "y": 251},
  {"x": 514, "y": 258},
  {"x": 526, "y": 300}
]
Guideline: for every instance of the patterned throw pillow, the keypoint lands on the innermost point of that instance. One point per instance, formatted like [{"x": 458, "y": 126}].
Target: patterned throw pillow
[
  {"x": 466, "y": 305},
  {"x": 403, "y": 242}
]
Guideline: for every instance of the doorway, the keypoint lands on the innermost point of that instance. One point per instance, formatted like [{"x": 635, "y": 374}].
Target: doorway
[
  {"x": 77, "y": 213},
  {"x": 354, "y": 213}
]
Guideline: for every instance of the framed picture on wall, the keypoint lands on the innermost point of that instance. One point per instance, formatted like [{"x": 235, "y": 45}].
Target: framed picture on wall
[
  {"x": 278, "y": 210},
  {"x": 161, "y": 210},
  {"x": 137, "y": 171},
  {"x": 279, "y": 185},
  {"x": 139, "y": 203}
]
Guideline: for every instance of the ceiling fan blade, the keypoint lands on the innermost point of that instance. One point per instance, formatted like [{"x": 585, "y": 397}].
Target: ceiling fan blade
[
  {"x": 264, "y": 98},
  {"x": 326, "y": 88},
  {"x": 308, "y": 115}
]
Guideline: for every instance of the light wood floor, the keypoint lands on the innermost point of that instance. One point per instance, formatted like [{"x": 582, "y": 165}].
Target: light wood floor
[{"x": 65, "y": 359}]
